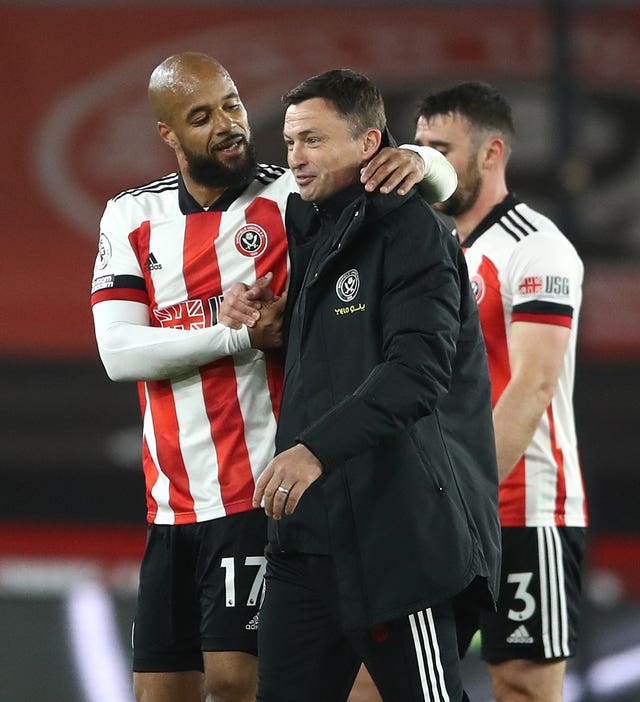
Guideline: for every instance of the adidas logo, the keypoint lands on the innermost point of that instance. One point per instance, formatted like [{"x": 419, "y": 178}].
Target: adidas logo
[
  {"x": 152, "y": 264},
  {"x": 253, "y": 623},
  {"x": 520, "y": 636}
]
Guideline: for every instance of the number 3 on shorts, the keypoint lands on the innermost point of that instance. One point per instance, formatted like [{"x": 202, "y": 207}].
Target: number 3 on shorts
[
  {"x": 230, "y": 579},
  {"x": 529, "y": 604}
]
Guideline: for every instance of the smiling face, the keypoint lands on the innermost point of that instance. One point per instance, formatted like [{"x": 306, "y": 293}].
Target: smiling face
[
  {"x": 203, "y": 119},
  {"x": 322, "y": 151}
]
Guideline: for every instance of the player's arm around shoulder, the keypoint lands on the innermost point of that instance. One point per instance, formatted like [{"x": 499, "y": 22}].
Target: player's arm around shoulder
[{"x": 399, "y": 169}]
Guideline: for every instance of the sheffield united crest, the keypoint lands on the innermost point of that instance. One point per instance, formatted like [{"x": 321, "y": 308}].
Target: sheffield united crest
[{"x": 251, "y": 240}]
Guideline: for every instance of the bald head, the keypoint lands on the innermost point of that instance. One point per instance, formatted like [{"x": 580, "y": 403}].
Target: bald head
[
  {"x": 178, "y": 77},
  {"x": 201, "y": 117}
]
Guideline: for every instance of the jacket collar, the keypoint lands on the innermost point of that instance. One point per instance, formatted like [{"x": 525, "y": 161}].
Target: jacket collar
[
  {"x": 334, "y": 206},
  {"x": 378, "y": 204}
]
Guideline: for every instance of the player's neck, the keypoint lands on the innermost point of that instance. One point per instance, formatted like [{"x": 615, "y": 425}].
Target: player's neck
[
  {"x": 491, "y": 194},
  {"x": 204, "y": 195}
]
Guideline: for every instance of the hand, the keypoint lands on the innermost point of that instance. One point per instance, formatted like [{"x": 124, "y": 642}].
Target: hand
[
  {"x": 392, "y": 169},
  {"x": 266, "y": 333},
  {"x": 241, "y": 303},
  {"x": 293, "y": 471}
]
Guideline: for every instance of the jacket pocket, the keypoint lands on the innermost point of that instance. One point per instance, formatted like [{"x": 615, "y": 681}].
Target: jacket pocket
[{"x": 435, "y": 477}]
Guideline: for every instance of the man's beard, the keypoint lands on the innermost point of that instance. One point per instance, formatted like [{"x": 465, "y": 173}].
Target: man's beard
[
  {"x": 212, "y": 173},
  {"x": 466, "y": 194}
]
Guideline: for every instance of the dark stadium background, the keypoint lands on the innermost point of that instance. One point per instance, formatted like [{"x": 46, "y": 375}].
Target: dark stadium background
[{"x": 77, "y": 129}]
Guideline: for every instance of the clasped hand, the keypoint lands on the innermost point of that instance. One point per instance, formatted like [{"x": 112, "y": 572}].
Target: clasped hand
[{"x": 257, "y": 307}]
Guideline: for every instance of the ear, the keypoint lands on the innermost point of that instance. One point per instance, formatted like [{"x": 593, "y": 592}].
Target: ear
[
  {"x": 493, "y": 152},
  {"x": 167, "y": 135},
  {"x": 371, "y": 141}
]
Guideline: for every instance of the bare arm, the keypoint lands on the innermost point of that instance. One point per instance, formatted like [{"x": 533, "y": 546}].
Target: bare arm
[{"x": 536, "y": 356}]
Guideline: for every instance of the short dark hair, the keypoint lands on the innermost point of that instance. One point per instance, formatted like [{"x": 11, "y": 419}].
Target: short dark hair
[
  {"x": 353, "y": 95},
  {"x": 480, "y": 103}
]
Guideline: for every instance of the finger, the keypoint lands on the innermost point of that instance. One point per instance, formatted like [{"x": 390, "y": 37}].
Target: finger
[
  {"x": 236, "y": 321},
  {"x": 397, "y": 169},
  {"x": 238, "y": 313},
  {"x": 245, "y": 307},
  {"x": 258, "y": 496},
  {"x": 257, "y": 295},
  {"x": 265, "y": 280},
  {"x": 261, "y": 294},
  {"x": 267, "y": 502},
  {"x": 261, "y": 483},
  {"x": 236, "y": 309},
  {"x": 387, "y": 176},
  {"x": 237, "y": 289},
  {"x": 395, "y": 178},
  {"x": 295, "y": 493},
  {"x": 280, "y": 498},
  {"x": 269, "y": 494},
  {"x": 409, "y": 182},
  {"x": 374, "y": 165},
  {"x": 377, "y": 177},
  {"x": 260, "y": 290}
]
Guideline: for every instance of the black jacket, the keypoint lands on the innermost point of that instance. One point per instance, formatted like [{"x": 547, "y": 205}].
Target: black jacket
[{"x": 386, "y": 381}]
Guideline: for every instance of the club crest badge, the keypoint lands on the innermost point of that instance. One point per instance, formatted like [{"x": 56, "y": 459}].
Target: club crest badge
[
  {"x": 348, "y": 285},
  {"x": 251, "y": 240},
  {"x": 104, "y": 252},
  {"x": 477, "y": 287}
]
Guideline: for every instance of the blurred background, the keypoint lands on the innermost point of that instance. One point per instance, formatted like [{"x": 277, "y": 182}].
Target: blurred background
[{"x": 77, "y": 129}]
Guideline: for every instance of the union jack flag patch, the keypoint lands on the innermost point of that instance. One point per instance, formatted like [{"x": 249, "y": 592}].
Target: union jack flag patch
[{"x": 530, "y": 285}]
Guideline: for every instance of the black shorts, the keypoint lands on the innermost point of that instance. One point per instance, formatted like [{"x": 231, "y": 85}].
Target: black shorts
[
  {"x": 540, "y": 595},
  {"x": 305, "y": 654},
  {"x": 200, "y": 589}
]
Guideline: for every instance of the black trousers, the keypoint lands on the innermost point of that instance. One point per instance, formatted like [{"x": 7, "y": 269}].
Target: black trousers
[{"x": 305, "y": 655}]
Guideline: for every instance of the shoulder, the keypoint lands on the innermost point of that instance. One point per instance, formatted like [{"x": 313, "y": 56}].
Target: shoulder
[
  {"x": 267, "y": 174},
  {"x": 534, "y": 222},
  {"x": 271, "y": 182},
  {"x": 543, "y": 241},
  {"x": 514, "y": 235},
  {"x": 414, "y": 235},
  {"x": 415, "y": 219},
  {"x": 153, "y": 189},
  {"x": 125, "y": 211}
]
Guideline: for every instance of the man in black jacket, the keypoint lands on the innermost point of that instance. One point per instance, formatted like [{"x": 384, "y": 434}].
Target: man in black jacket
[{"x": 383, "y": 495}]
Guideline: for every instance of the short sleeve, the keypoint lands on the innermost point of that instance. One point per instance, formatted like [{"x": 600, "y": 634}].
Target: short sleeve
[
  {"x": 545, "y": 279},
  {"x": 117, "y": 274}
]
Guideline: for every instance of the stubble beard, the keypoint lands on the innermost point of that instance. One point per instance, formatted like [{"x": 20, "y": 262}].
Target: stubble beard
[{"x": 466, "y": 194}]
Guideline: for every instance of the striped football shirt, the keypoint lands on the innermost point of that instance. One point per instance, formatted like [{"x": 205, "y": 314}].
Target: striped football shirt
[
  {"x": 206, "y": 436},
  {"x": 522, "y": 268}
]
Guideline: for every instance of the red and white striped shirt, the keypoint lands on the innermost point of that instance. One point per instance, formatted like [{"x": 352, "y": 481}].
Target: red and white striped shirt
[
  {"x": 209, "y": 433},
  {"x": 522, "y": 268}
]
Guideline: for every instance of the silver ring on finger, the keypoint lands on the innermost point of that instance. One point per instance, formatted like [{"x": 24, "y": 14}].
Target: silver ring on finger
[{"x": 284, "y": 490}]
